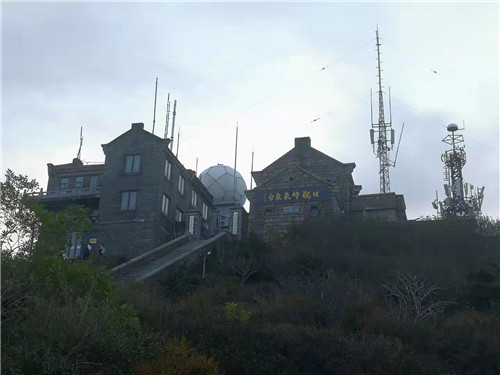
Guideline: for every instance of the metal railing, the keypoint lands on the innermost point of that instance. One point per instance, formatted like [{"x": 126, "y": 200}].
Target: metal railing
[{"x": 63, "y": 193}]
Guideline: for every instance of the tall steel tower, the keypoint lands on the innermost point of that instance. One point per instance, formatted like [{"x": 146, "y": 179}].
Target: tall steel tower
[
  {"x": 385, "y": 142},
  {"x": 458, "y": 201}
]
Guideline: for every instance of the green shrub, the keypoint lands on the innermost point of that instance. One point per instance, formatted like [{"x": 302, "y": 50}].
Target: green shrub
[
  {"x": 179, "y": 358},
  {"x": 471, "y": 342},
  {"x": 367, "y": 316}
]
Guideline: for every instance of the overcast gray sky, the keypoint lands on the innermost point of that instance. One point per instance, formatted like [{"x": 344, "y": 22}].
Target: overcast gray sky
[{"x": 67, "y": 65}]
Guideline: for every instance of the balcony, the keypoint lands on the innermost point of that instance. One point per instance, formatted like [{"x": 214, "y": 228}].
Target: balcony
[{"x": 68, "y": 193}]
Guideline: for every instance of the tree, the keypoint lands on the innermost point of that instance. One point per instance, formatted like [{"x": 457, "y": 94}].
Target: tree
[
  {"x": 410, "y": 299},
  {"x": 55, "y": 228},
  {"x": 18, "y": 221}
]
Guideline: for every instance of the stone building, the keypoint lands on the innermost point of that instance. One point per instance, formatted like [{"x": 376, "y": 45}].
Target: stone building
[
  {"x": 141, "y": 197},
  {"x": 305, "y": 183}
]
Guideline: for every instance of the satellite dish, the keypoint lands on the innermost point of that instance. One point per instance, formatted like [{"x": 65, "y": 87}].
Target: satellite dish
[{"x": 452, "y": 127}]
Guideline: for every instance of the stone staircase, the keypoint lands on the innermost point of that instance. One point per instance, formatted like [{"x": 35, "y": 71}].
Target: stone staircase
[{"x": 159, "y": 259}]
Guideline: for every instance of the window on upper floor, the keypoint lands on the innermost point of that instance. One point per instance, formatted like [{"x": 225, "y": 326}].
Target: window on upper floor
[
  {"x": 205, "y": 211},
  {"x": 64, "y": 184},
  {"x": 78, "y": 182},
  {"x": 168, "y": 169},
  {"x": 178, "y": 215},
  {"x": 290, "y": 209},
  {"x": 132, "y": 163},
  {"x": 164, "y": 204},
  {"x": 194, "y": 198},
  {"x": 181, "y": 186},
  {"x": 129, "y": 200},
  {"x": 94, "y": 182}
]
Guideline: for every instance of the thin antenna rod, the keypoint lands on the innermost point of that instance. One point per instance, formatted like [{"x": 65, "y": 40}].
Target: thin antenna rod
[
  {"x": 235, "y": 157},
  {"x": 178, "y": 138},
  {"x": 79, "y": 154},
  {"x": 154, "y": 112},
  {"x": 390, "y": 106},
  {"x": 397, "y": 150},
  {"x": 173, "y": 125},
  {"x": 251, "y": 170},
  {"x": 371, "y": 106},
  {"x": 167, "y": 119}
]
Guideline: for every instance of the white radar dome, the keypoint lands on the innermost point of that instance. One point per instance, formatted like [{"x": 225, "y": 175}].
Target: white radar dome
[{"x": 219, "y": 180}]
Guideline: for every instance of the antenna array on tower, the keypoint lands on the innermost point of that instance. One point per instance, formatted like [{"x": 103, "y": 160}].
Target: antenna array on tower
[
  {"x": 459, "y": 201},
  {"x": 383, "y": 130}
]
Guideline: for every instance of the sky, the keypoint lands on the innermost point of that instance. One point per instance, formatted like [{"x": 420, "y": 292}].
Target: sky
[{"x": 69, "y": 65}]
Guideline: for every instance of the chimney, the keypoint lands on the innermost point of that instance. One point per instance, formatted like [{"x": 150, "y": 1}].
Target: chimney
[
  {"x": 303, "y": 143},
  {"x": 137, "y": 126}
]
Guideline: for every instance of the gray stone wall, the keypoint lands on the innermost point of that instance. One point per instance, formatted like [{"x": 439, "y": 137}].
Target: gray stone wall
[
  {"x": 304, "y": 167},
  {"x": 387, "y": 207},
  {"x": 72, "y": 171},
  {"x": 273, "y": 219},
  {"x": 151, "y": 184}
]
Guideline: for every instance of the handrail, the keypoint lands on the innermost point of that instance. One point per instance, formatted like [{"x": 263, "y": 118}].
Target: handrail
[
  {"x": 150, "y": 253},
  {"x": 65, "y": 192},
  {"x": 204, "y": 244}
]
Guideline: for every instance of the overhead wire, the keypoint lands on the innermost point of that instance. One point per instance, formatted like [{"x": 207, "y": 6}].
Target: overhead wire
[
  {"x": 340, "y": 108},
  {"x": 305, "y": 77}
]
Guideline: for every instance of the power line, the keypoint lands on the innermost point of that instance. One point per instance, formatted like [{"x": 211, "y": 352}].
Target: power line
[
  {"x": 305, "y": 77},
  {"x": 340, "y": 108}
]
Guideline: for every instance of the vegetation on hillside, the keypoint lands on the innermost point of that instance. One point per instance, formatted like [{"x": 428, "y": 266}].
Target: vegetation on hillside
[{"x": 329, "y": 298}]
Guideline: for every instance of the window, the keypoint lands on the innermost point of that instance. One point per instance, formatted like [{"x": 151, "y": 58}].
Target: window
[
  {"x": 191, "y": 224},
  {"x": 129, "y": 200},
  {"x": 133, "y": 164},
  {"x": 164, "y": 204},
  {"x": 94, "y": 181},
  {"x": 64, "y": 183},
  {"x": 314, "y": 211},
  {"x": 79, "y": 182},
  {"x": 290, "y": 209},
  {"x": 178, "y": 215},
  {"x": 205, "y": 211},
  {"x": 168, "y": 169},
  {"x": 194, "y": 198},
  {"x": 235, "y": 223},
  {"x": 181, "y": 185}
]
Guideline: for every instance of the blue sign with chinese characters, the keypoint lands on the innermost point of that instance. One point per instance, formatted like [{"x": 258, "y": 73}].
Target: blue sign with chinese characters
[{"x": 316, "y": 193}]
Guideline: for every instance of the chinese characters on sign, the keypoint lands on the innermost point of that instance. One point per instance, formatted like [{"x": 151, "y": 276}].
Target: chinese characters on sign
[{"x": 315, "y": 193}]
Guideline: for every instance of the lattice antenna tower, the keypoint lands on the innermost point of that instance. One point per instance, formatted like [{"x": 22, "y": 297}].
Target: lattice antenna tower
[
  {"x": 385, "y": 134},
  {"x": 460, "y": 201}
]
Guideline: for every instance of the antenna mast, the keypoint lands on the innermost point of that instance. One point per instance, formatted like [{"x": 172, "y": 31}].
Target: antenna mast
[
  {"x": 154, "y": 111},
  {"x": 178, "y": 141},
  {"x": 235, "y": 157},
  {"x": 173, "y": 126},
  {"x": 251, "y": 170},
  {"x": 79, "y": 154},
  {"x": 167, "y": 119},
  {"x": 385, "y": 142}
]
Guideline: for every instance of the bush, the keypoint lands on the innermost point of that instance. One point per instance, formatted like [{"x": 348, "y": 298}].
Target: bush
[
  {"x": 471, "y": 343},
  {"x": 179, "y": 358},
  {"x": 66, "y": 320},
  {"x": 367, "y": 316}
]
